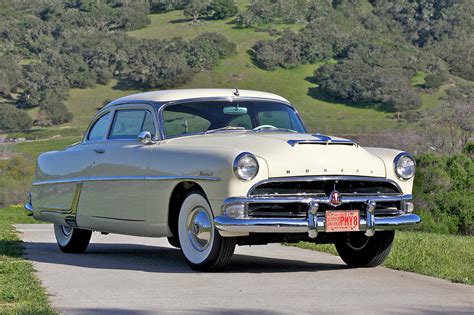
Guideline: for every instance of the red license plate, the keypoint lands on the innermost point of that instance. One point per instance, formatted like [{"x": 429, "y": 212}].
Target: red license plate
[{"x": 342, "y": 221}]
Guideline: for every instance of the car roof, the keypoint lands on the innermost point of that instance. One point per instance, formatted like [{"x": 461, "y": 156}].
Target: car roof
[{"x": 186, "y": 94}]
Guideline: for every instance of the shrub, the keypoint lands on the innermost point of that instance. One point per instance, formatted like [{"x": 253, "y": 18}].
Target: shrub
[
  {"x": 359, "y": 82},
  {"x": 12, "y": 118},
  {"x": 222, "y": 9},
  {"x": 444, "y": 193},
  {"x": 435, "y": 80}
]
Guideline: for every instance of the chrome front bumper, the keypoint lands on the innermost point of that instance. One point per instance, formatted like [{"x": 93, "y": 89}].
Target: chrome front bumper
[{"x": 315, "y": 222}]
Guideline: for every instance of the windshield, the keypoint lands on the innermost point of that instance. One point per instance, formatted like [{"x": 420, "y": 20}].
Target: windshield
[{"x": 220, "y": 116}]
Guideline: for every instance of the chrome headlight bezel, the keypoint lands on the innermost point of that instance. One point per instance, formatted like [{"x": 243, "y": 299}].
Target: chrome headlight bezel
[
  {"x": 238, "y": 169},
  {"x": 403, "y": 156}
]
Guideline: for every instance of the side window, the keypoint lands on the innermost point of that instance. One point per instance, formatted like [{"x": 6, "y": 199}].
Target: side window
[
  {"x": 129, "y": 123},
  {"x": 99, "y": 129},
  {"x": 280, "y": 119}
]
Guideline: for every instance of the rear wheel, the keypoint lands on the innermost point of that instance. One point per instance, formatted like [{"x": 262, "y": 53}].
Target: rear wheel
[
  {"x": 359, "y": 250},
  {"x": 72, "y": 240},
  {"x": 202, "y": 246}
]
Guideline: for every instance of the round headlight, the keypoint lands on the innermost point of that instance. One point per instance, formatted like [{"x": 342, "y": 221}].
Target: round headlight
[
  {"x": 245, "y": 166},
  {"x": 404, "y": 165}
]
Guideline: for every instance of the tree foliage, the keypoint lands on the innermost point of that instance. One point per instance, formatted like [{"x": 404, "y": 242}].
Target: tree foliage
[
  {"x": 444, "y": 192},
  {"x": 449, "y": 127},
  {"x": 13, "y": 119},
  {"x": 78, "y": 43},
  {"x": 379, "y": 45},
  {"x": 221, "y": 9},
  {"x": 359, "y": 82},
  {"x": 10, "y": 76},
  {"x": 268, "y": 11}
]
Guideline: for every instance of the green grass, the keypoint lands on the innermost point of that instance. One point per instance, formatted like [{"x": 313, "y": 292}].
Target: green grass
[
  {"x": 418, "y": 79},
  {"x": 84, "y": 103},
  {"x": 46, "y": 133},
  {"x": 34, "y": 148},
  {"x": 20, "y": 290},
  {"x": 448, "y": 257}
]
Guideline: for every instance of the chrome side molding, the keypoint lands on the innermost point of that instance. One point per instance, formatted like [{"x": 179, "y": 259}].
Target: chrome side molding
[{"x": 124, "y": 178}]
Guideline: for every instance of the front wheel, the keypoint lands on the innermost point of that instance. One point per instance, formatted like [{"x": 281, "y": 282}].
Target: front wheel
[
  {"x": 359, "y": 250},
  {"x": 72, "y": 240},
  {"x": 202, "y": 246}
]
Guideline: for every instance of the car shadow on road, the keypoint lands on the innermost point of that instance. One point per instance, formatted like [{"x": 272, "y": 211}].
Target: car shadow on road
[
  {"x": 158, "y": 259},
  {"x": 208, "y": 311}
]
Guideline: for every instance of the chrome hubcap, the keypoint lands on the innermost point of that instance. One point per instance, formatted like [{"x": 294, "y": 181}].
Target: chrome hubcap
[
  {"x": 67, "y": 230},
  {"x": 199, "y": 229}
]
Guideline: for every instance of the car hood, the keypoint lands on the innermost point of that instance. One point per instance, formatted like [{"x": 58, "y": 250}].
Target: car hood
[{"x": 293, "y": 154}]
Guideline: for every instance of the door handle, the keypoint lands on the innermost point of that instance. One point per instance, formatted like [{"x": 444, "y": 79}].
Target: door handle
[{"x": 99, "y": 151}]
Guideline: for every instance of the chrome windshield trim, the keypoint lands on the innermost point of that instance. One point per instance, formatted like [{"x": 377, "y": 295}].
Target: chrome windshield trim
[
  {"x": 322, "y": 178},
  {"x": 124, "y": 178}
]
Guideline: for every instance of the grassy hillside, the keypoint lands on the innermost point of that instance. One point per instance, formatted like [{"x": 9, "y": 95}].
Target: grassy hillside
[{"x": 319, "y": 115}]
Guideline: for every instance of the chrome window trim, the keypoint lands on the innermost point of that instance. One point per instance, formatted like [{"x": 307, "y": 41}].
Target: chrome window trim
[
  {"x": 162, "y": 106},
  {"x": 323, "y": 178},
  {"x": 149, "y": 109},
  {"x": 98, "y": 116},
  {"x": 124, "y": 178},
  {"x": 150, "y": 106},
  {"x": 135, "y": 106}
]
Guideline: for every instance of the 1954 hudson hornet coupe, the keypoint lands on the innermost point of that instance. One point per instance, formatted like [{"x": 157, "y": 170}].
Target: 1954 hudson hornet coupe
[{"x": 214, "y": 168}]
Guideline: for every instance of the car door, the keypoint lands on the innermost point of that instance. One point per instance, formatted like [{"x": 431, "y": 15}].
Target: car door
[{"x": 114, "y": 196}]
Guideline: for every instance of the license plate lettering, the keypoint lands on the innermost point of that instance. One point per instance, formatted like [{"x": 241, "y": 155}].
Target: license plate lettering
[{"x": 342, "y": 221}]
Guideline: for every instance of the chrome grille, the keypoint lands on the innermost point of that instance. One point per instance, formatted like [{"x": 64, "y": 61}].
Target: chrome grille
[{"x": 322, "y": 186}]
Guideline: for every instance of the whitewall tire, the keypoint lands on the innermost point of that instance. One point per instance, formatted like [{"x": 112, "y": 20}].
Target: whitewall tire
[
  {"x": 202, "y": 246},
  {"x": 72, "y": 240}
]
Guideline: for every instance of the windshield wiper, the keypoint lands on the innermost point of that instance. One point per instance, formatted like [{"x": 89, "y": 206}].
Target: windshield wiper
[
  {"x": 226, "y": 128},
  {"x": 275, "y": 129}
]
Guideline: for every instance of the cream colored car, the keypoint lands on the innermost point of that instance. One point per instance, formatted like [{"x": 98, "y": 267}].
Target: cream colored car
[{"x": 214, "y": 168}]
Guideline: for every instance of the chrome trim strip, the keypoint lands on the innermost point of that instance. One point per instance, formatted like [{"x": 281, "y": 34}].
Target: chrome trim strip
[
  {"x": 323, "y": 178},
  {"x": 117, "y": 219},
  {"x": 281, "y": 225},
  {"x": 124, "y": 178},
  {"x": 326, "y": 142},
  {"x": 317, "y": 199}
]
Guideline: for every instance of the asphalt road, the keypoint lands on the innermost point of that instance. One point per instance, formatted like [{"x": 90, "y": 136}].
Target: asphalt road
[{"x": 132, "y": 275}]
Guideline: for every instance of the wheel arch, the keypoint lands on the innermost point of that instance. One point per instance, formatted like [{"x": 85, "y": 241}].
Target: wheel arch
[{"x": 179, "y": 193}]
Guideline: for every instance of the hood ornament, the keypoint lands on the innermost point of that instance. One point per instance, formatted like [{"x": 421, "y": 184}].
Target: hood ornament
[{"x": 335, "y": 198}]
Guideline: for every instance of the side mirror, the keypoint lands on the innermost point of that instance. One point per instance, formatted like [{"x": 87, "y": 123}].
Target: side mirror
[{"x": 145, "y": 137}]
